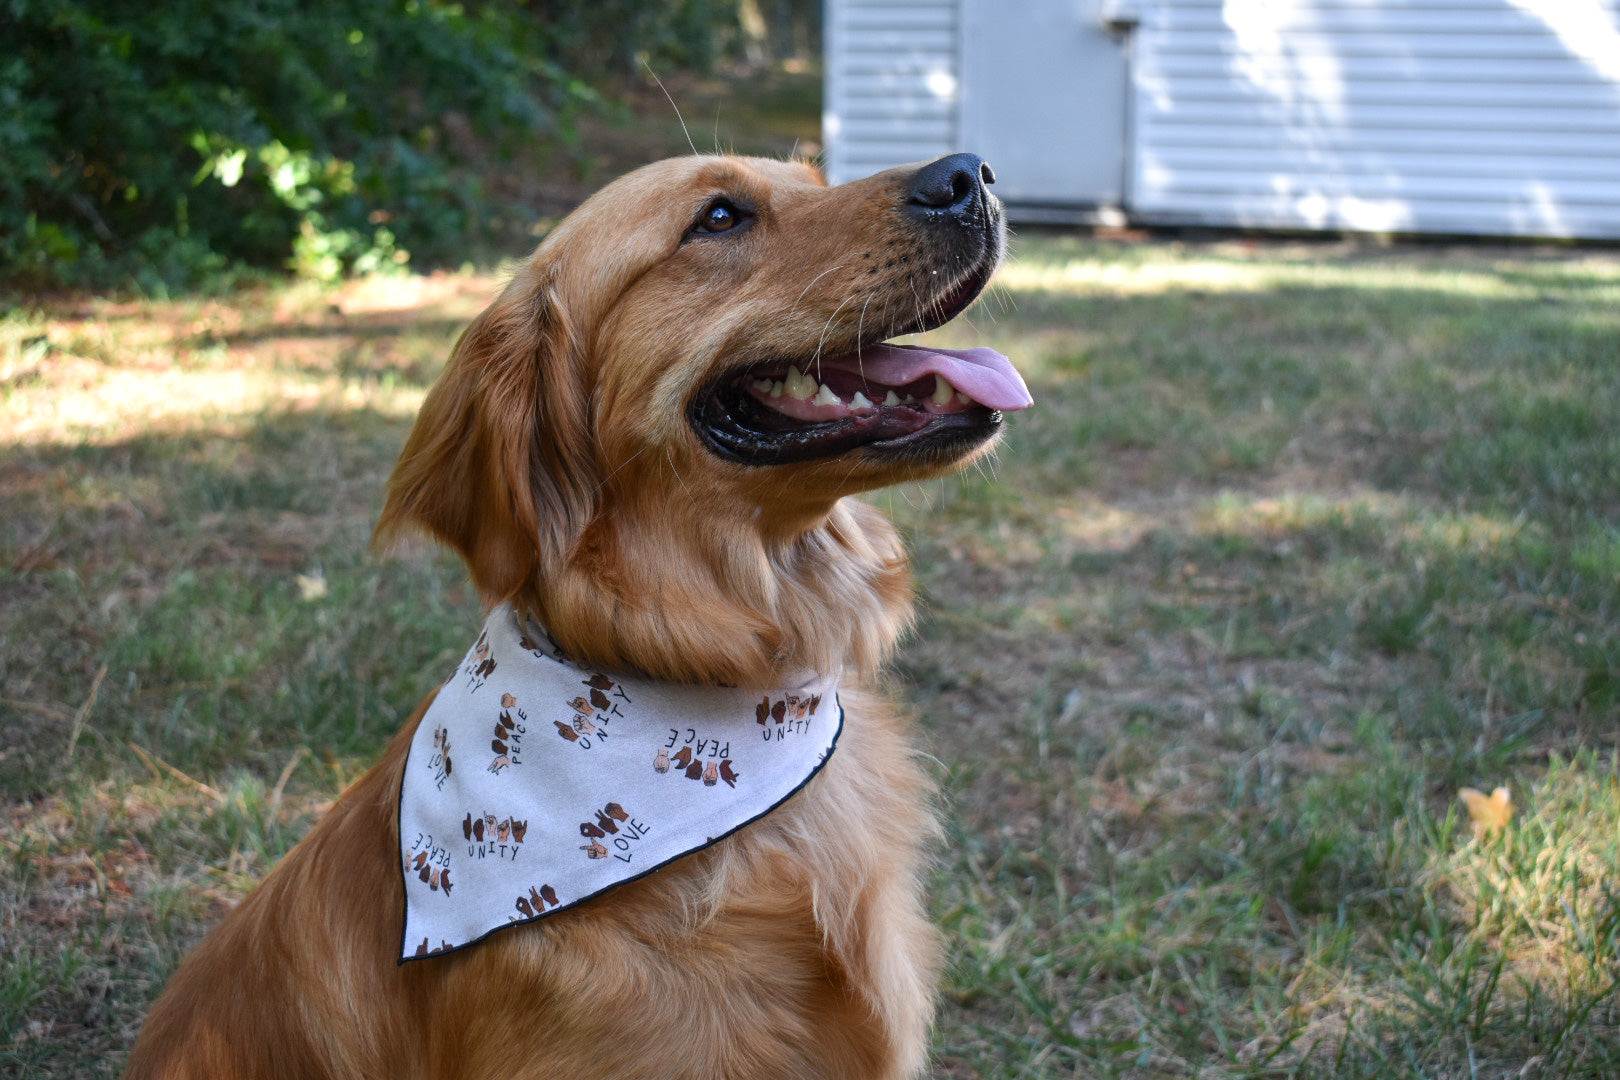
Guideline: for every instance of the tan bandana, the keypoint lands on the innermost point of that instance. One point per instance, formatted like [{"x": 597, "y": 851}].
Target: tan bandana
[{"x": 533, "y": 783}]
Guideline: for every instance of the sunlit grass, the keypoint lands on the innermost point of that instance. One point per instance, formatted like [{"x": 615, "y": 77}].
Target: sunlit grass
[
  {"x": 1234, "y": 268},
  {"x": 115, "y": 371}
]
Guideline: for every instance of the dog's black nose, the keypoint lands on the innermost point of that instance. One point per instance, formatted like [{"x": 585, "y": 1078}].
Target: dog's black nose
[{"x": 952, "y": 185}]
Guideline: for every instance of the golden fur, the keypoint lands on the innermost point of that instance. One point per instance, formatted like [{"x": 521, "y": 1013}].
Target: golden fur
[{"x": 555, "y": 454}]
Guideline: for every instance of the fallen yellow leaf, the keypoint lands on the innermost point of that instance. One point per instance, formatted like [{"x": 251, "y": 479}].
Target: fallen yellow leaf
[
  {"x": 312, "y": 586},
  {"x": 1489, "y": 813}
]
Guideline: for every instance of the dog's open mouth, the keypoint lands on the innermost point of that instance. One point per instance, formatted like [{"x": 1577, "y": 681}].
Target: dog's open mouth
[{"x": 882, "y": 396}]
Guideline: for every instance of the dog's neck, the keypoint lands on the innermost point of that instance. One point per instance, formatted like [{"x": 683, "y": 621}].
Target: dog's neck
[{"x": 681, "y": 591}]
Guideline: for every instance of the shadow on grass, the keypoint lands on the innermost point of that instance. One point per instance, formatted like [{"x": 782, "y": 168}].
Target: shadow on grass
[
  {"x": 197, "y": 652},
  {"x": 224, "y": 583}
]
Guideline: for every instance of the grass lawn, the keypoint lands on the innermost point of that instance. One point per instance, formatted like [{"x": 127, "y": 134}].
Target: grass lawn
[{"x": 1299, "y": 541}]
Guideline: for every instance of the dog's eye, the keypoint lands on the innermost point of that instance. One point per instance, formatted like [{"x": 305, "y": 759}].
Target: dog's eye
[{"x": 721, "y": 216}]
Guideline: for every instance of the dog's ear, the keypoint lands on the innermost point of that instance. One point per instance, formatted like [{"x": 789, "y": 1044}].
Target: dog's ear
[{"x": 498, "y": 465}]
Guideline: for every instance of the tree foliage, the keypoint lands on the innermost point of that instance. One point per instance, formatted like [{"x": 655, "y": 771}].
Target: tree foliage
[
  {"x": 166, "y": 142},
  {"x": 622, "y": 35}
]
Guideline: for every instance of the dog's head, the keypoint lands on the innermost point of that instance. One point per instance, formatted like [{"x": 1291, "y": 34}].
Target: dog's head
[{"x": 646, "y": 439}]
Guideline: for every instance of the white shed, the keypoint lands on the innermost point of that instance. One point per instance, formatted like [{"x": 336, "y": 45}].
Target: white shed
[{"x": 1490, "y": 117}]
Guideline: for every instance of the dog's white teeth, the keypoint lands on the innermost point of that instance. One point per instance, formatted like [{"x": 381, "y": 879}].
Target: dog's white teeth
[
  {"x": 891, "y": 398},
  {"x": 943, "y": 392},
  {"x": 963, "y": 398},
  {"x": 825, "y": 396},
  {"x": 859, "y": 401},
  {"x": 776, "y": 388},
  {"x": 763, "y": 385},
  {"x": 799, "y": 386}
]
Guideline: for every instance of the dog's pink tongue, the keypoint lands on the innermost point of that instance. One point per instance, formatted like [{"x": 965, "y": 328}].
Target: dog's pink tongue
[{"x": 982, "y": 374}]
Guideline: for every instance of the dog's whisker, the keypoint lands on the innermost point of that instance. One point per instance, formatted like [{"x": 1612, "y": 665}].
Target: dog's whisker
[
  {"x": 626, "y": 463},
  {"x": 826, "y": 327},
  {"x": 917, "y": 305},
  {"x": 672, "y": 105},
  {"x": 848, "y": 473},
  {"x": 1003, "y": 298},
  {"x": 860, "y": 336},
  {"x": 670, "y": 457},
  {"x": 806, "y": 289}
]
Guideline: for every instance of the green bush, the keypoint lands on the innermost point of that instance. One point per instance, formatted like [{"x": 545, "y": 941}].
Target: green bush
[
  {"x": 623, "y": 35},
  {"x": 164, "y": 143}
]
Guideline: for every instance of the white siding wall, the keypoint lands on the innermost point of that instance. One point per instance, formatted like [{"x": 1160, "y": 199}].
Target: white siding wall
[
  {"x": 891, "y": 84},
  {"x": 1469, "y": 116}
]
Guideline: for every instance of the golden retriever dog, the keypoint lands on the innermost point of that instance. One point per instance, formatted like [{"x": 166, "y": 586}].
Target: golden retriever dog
[{"x": 647, "y": 444}]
